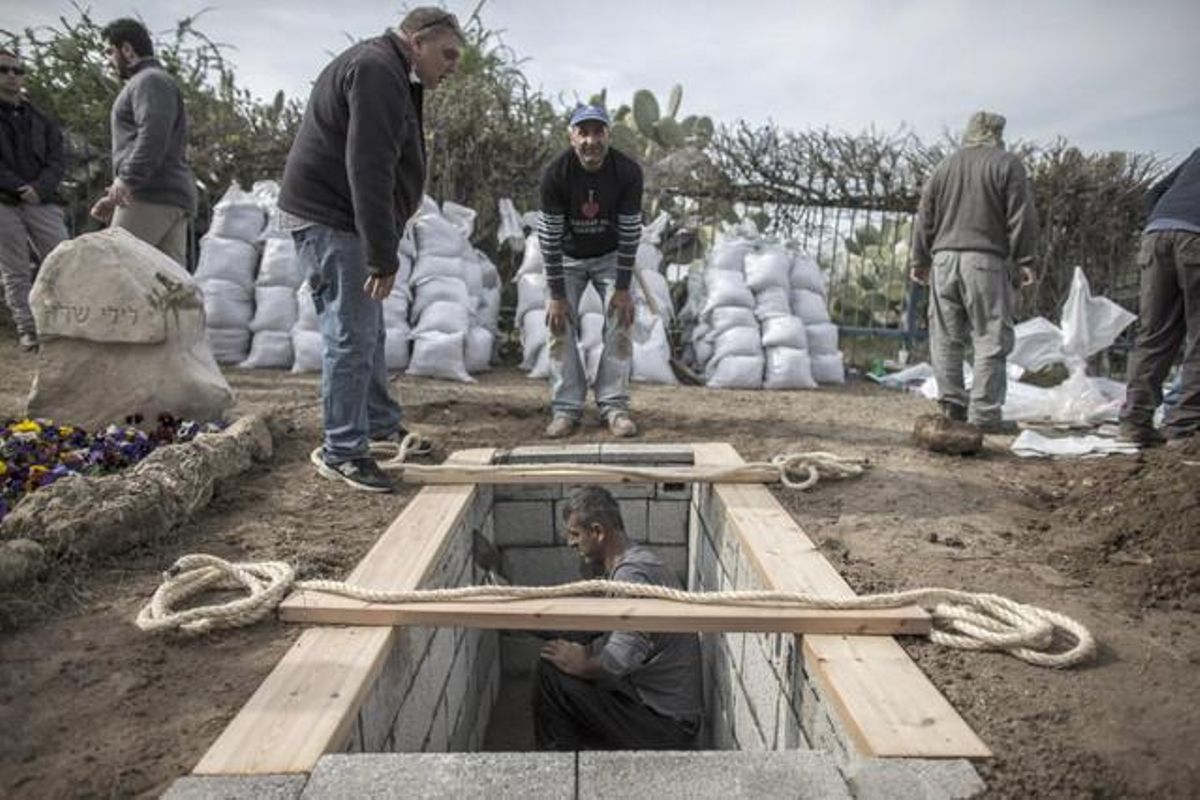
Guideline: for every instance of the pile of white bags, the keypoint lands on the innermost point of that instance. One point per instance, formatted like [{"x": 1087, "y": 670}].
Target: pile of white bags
[
  {"x": 653, "y": 311},
  {"x": 757, "y": 317},
  {"x": 226, "y": 272}
]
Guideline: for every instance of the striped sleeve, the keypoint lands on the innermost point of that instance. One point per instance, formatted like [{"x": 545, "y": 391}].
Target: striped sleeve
[
  {"x": 550, "y": 237},
  {"x": 629, "y": 235}
]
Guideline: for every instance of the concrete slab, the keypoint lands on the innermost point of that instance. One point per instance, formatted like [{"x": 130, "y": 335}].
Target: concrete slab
[
  {"x": 463, "y": 776},
  {"x": 912, "y": 779},
  {"x": 553, "y": 454},
  {"x": 723, "y": 775},
  {"x": 223, "y": 787},
  {"x": 646, "y": 454}
]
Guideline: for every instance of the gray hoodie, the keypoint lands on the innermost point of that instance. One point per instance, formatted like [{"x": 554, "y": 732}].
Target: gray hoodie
[{"x": 149, "y": 138}]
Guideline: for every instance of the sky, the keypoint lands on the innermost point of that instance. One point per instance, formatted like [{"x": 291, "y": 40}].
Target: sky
[{"x": 1104, "y": 74}]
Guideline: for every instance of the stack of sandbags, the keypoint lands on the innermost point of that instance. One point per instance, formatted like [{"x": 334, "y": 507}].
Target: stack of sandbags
[
  {"x": 228, "y": 261},
  {"x": 734, "y": 357},
  {"x": 275, "y": 305},
  {"x": 485, "y": 320},
  {"x": 443, "y": 271},
  {"x": 809, "y": 303},
  {"x": 396, "y": 307},
  {"x": 308, "y": 348},
  {"x": 653, "y": 312}
]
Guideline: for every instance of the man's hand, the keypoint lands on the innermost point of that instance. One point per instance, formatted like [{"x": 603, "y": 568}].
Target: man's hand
[
  {"x": 919, "y": 275},
  {"x": 1029, "y": 276},
  {"x": 621, "y": 306},
  {"x": 103, "y": 209},
  {"x": 29, "y": 195},
  {"x": 378, "y": 287},
  {"x": 558, "y": 316},
  {"x": 120, "y": 193},
  {"x": 569, "y": 657}
]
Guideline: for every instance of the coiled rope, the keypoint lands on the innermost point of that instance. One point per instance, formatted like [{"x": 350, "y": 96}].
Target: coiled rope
[
  {"x": 962, "y": 620},
  {"x": 798, "y": 471}
]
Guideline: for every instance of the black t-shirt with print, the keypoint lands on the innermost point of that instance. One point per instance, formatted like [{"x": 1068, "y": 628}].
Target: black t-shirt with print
[{"x": 591, "y": 201}]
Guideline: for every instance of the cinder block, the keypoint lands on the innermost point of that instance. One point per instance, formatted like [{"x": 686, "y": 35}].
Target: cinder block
[
  {"x": 453, "y": 561},
  {"x": 378, "y": 712},
  {"x": 667, "y": 522},
  {"x": 762, "y": 687},
  {"x": 542, "y": 566},
  {"x": 789, "y": 728},
  {"x": 554, "y": 454},
  {"x": 481, "y": 506},
  {"x": 438, "y": 740},
  {"x": 631, "y": 491},
  {"x": 417, "y": 712},
  {"x": 912, "y": 779},
  {"x": 527, "y": 491},
  {"x": 222, "y": 787},
  {"x": 456, "y": 686},
  {"x": 524, "y": 523},
  {"x": 647, "y": 454},
  {"x": 675, "y": 557},
  {"x": 818, "y": 725},
  {"x": 472, "y": 776},
  {"x": 746, "y": 726},
  {"x": 673, "y": 491},
  {"x": 711, "y": 774}
]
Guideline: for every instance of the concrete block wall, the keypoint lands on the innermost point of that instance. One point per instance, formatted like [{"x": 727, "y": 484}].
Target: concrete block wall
[{"x": 437, "y": 686}]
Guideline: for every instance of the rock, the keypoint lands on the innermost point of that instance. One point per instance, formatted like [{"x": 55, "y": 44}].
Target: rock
[
  {"x": 21, "y": 561},
  {"x": 940, "y": 435}
]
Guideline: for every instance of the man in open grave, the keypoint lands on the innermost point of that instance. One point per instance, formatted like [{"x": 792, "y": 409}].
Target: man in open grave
[{"x": 624, "y": 690}]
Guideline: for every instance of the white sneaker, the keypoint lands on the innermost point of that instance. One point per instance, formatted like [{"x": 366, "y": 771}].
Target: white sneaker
[{"x": 621, "y": 426}]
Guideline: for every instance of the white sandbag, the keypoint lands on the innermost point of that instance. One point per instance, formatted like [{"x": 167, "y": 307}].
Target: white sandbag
[
  {"x": 822, "y": 339},
  {"x": 591, "y": 362},
  {"x": 540, "y": 366},
  {"x": 659, "y": 290},
  {"x": 226, "y": 259},
  {"x": 510, "y": 228},
  {"x": 227, "y": 305},
  {"x": 122, "y": 332},
  {"x": 806, "y": 274},
  {"x": 768, "y": 268},
  {"x": 439, "y": 355},
  {"x": 737, "y": 342},
  {"x": 648, "y": 258},
  {"x": 729, "y": 255},
  {"x": 237, "y": 215},
  {"x": 726, "y": 289},
  {"x": 531, "y": 293},
  {"x": 788, "y": 368},
  {"x": 652, "y": 358},
  {"x": 308, "y": 350},
  {"x": 229, "y": 345},
  {"x": 726, "y": 317},
  {"x": 473, "y": 275},
  {"x": 591, "y": 327},
  {"x": 395, "y": 307},
  {"x": 269, "y": 350},
  {"x": 703, "y": 351},
  {"x": 479, "y": 345},
  {"x": 828, "y": 368},
  {"x": 460, "y": 217},
  {"x": 442, "y": 317},
  {"x": 396, "y": 347},
  {"x": 489, "y": 275},
  {"x": 266, "y": 195},
  {"x": 438, "y": 290},
  {"x": 487, "y": 311},
  {"x": 533, "y": 338},
  {"x": 279, "y": 265},
  {"x": 809, "y": 306},
  {"x": 784, "y": 332},
  {"x": 429, "y": 266},
  {"x": 772, "y": 302},
  {"x": 274, "y": 309},
  {"x": 437, "y": 236},
  {"x": 532, "y": 262},
  {"x": 590, "y": 301},
  {"x": 735, "y": 372},
  {"x": 306, "y": 312}
]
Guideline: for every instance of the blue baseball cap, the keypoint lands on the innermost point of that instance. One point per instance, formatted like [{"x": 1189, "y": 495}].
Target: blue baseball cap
[{"x": 584, "y": 113}]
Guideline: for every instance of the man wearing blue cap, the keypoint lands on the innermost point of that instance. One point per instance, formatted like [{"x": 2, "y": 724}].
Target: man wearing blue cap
[{"x": 589, "y": 229}]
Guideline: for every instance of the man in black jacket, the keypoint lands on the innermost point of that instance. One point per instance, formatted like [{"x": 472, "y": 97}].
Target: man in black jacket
[
  {"x": 354, "y": 176},
  {"x": 1169, "y": 310},
  {"x": 31, "y": 165}
]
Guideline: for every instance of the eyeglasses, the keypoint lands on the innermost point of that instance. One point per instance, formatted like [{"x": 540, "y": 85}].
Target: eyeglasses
[{"x": 5, "y": 69}]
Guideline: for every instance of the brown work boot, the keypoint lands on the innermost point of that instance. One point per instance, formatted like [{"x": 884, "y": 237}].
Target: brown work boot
[
  {"x": 561, "y": 426},
  {"x": 1141, "y": 435},
  {"x": 952, "y": 411},
  {"x": 621, "y": 426}
]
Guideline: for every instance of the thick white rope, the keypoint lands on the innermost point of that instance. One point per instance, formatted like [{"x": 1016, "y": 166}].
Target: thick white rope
[
  {"x": 799, "y": 471},
  {"x": 963, "y": 620}
]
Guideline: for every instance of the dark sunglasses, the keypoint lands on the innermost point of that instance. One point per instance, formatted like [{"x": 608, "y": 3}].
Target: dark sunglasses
[{"x": 5, "y": 69}]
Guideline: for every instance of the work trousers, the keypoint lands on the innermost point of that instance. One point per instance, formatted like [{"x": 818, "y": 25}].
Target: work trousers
[
  {"x": 1168, "y": 319},
  {"x": 971, "y": 302},
  {"x": 20, "y": 226},
  {"x": 570, "y": 713},
  {"x": 163, "y": 226}
]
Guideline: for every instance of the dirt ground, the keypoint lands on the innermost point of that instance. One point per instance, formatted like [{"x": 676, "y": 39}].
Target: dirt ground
[{"x": 91, "y": 707}]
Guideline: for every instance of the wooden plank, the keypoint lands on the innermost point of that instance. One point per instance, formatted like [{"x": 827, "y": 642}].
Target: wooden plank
[
  {"x": 306, "y": 706},
  {"x": 605, "y": 474},
  {"x": 884, "y": 702},
  {"x": 609, "y": 613}
]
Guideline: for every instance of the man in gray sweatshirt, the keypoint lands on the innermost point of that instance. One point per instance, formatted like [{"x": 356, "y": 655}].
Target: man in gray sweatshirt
[
  {"x": 1169, "y": 310},
  {"x": 976, "y": 223},
  {"x": 153, "y": 193}
]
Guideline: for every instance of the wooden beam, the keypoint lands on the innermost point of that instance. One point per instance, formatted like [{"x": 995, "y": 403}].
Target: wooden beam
[
  {"x": 581, "y": 474},
  {"x": 883, "y": 701},
  {"x": 605, "y": 614}
]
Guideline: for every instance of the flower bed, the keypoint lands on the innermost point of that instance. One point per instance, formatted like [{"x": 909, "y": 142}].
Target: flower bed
[{"x": 35, "y": 453}]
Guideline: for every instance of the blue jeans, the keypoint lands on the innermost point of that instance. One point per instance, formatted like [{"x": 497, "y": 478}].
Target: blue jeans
[
  {"x": 358, "y": 406},
  {"x": 568, "y": 380}
]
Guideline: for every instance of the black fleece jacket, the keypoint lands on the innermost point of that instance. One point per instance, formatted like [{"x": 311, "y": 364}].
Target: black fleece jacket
[{"x": 358, "y": 162}]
